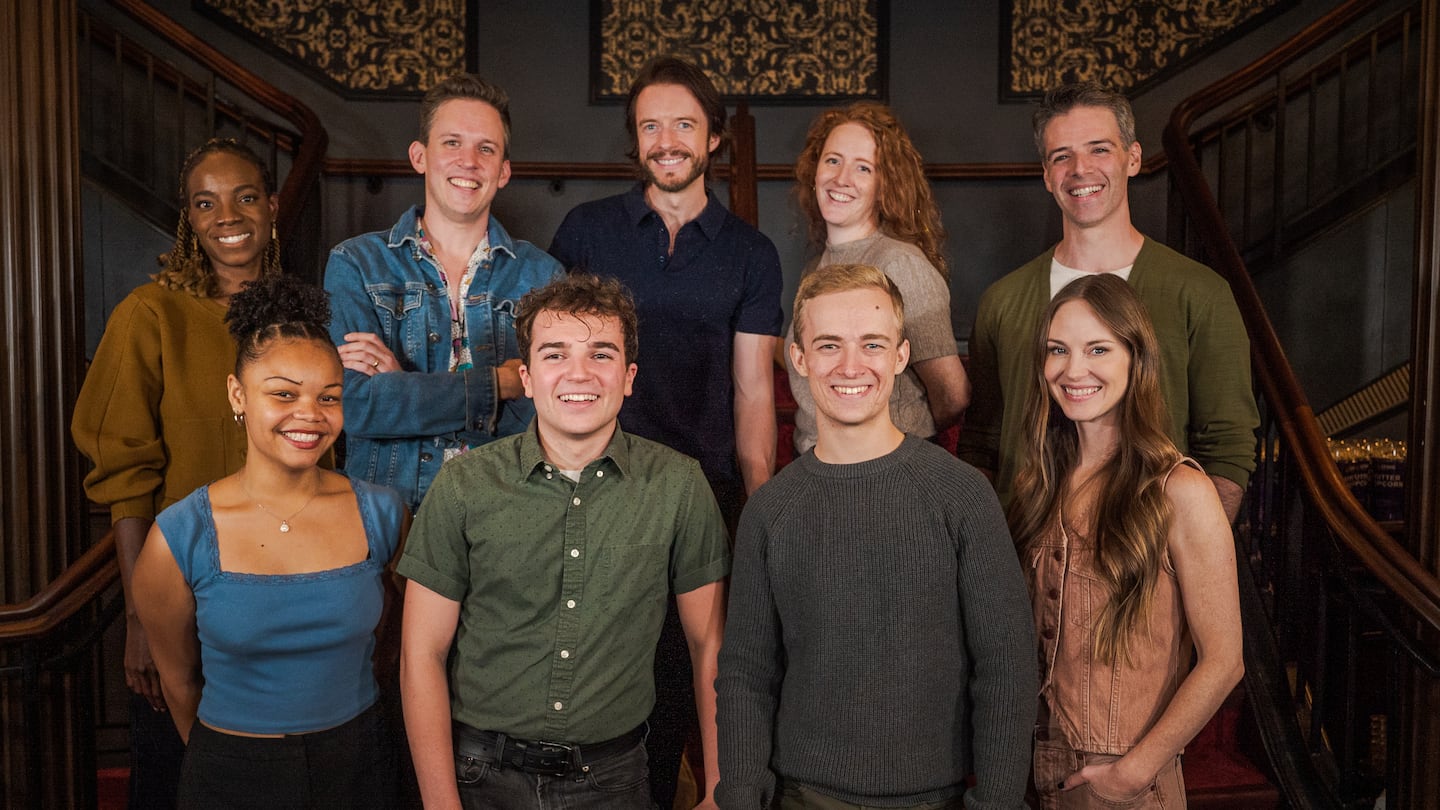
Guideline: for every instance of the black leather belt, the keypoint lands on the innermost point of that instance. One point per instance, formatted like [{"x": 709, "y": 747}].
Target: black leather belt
[{"x": 539, "y": 756}]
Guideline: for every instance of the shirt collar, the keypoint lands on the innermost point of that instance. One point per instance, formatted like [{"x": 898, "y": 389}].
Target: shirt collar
[
  {"x": 532, "y": 458},
  {"x": 711, "y": 218},
  {"x": 408, "y": 230}
]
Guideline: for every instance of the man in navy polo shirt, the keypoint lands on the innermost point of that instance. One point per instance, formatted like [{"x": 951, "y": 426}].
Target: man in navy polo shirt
[{"x": 707, "y": 286}]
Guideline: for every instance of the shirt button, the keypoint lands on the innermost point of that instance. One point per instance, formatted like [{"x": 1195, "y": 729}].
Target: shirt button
[
  {"x": 570, "y": 604},
  {"x": 1059, "y": 555},
  {"x": 574, "y": 552},
  {"x": 433, "y": 337},
  {"x": 1054, "y": 593},
  {"x": 599, "y": 473},
  {"x": 559, "y": 705},
  {"x": 548, "y": 476},
  {"x": 564, "y": 653},
  {"x": 1049, "y": 633},
  {"x": 576, "y": 501},
  {"x": 426, "y": 457}
]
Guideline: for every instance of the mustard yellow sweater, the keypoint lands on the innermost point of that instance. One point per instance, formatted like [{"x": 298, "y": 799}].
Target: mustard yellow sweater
[{"x": 153, "y": 415}]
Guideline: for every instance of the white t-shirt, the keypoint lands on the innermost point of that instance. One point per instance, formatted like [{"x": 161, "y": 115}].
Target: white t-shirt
[{"x": 1060, "y": 275}]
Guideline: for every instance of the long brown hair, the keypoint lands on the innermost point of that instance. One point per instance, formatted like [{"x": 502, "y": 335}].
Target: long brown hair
[
  {"x": 904, "y": 204},
  {"x": 1130, "y": 522},
  {"x": 186, "y": 267}
]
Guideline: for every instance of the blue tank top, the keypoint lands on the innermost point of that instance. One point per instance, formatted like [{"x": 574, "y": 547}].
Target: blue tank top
[{"x": 284, "y": 653}]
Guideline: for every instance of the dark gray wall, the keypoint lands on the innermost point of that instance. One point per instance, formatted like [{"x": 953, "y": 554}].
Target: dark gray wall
[{"x": 943, "y": 67}]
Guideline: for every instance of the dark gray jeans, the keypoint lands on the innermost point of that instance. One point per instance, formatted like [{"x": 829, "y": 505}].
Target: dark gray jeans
[{"x": 621, "y": 782}]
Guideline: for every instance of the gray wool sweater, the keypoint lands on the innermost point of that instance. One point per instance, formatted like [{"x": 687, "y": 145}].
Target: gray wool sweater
[{"x": 879, "y": 645}]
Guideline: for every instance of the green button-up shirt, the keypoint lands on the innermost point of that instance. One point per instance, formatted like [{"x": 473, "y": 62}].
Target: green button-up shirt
[{"x": 562, "y": 585}]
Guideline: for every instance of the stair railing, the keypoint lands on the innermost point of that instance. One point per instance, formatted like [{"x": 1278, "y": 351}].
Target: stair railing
[
  {"x": 142, "y": 113},
  {"x": 1339, "y": 608},
  {"x": 44, "y": 641},
  {"x": 1292, "y": 155}
]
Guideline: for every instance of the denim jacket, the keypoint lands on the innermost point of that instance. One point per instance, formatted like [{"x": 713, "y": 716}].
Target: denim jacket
[{"x": 398, "y": 424}]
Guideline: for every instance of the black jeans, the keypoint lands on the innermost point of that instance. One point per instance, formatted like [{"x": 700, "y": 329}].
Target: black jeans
[
  {"x": 349, "y": 766},
  {"x": 620, "y": 782},
  {"x": 155, "y": 755}
]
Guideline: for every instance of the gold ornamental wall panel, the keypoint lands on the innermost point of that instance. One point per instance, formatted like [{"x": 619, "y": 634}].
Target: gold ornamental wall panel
[
  {"x": 1126, "y": 46},
  {"x": 758, "y": 50},
  {"x": 360, "y": 48}
]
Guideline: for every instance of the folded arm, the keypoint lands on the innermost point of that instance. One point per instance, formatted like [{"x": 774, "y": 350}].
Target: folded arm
[{"x": 391, "y": 404}]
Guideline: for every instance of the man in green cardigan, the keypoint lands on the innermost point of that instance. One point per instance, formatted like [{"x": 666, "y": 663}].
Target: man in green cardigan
[{"x": 1086, "y": 138}]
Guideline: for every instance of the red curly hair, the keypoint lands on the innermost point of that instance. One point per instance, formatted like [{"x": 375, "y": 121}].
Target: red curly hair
[{"x": 904, "y": 204}]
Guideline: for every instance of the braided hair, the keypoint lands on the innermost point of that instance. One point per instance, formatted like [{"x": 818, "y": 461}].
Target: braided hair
[{"x": 186, "y": 267}]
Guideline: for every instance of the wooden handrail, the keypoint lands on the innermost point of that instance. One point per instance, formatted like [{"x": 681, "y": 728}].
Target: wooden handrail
[
  {"x": 310, "y": 158},
  {"x": 79, "y": 584},
  {"x": 101, "y": 34},
  {"x": 1390, "y": 562}
]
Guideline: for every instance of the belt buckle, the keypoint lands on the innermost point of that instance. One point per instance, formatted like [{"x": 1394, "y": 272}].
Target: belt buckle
[{"x": 547, "y": 758}]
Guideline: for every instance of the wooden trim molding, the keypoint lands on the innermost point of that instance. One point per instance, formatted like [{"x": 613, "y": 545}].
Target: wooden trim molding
[{"x": 768, "y": 172}]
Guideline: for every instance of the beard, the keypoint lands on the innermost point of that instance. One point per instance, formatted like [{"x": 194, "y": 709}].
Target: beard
[{"x": 698, "y": 165}]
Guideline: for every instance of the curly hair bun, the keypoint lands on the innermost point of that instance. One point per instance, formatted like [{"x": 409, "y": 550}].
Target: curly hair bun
[{"x": 277, "y": 301}]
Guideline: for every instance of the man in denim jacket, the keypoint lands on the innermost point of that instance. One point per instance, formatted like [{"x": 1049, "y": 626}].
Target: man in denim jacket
[{"x": 424, "y": 314}]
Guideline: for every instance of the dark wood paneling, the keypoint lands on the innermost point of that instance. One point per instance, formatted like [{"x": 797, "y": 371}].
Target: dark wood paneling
[{"x": 42, "y": 515}]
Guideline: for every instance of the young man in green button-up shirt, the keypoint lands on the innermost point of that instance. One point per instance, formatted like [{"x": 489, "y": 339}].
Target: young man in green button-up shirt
[{"x": 540, "y": 567}]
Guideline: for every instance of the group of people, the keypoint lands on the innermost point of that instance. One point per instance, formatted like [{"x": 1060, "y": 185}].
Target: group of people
[{"x": 900, "y": 628}]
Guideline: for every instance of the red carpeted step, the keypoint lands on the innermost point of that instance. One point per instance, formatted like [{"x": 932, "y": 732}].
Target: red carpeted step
[
  {"x": 1218, "y": 774},
  {"x": 112, "y": 788}
]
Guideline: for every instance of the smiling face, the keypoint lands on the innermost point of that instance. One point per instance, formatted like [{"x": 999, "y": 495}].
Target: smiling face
[
  {"x": 230, "y": 213},
  {"x": 849, "y": 350},
  {"x": 672, "y": 138},
  {"x": 1087, "y": 168},
  {"x": 578, "y": 376},
  {"x": 463, "y": 161},
  {"x": 846, "y": 184},
  {"x": 1087, "y": 367},
  {"x": 290, "y": 396}
]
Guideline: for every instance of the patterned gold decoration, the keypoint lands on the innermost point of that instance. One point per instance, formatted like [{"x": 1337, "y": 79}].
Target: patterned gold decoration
[
  {"x": 1122, "y": 45},
  {"x": 370, "y": 46},
  {"x": 758, "y": 49}
]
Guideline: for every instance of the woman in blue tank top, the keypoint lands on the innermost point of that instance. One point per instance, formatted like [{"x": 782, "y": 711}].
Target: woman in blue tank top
[{"x": 262, "y": 591}]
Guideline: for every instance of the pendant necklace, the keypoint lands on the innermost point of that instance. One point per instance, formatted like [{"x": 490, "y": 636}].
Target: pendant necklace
[{"x": 284, "y": 521}]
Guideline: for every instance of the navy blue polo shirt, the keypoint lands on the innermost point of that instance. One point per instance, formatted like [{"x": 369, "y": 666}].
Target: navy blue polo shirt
[{"x": 723, "y": 278}]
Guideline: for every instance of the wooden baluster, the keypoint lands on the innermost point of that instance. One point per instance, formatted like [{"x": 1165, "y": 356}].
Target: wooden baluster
[{"x": 744, "y": 200}]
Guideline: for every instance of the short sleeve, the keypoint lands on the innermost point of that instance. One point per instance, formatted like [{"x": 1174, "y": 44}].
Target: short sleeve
[
  {"x": 701, "y": 551},
  {"x": 760, "y": 312},
  {"x": 436, "y": 552}
]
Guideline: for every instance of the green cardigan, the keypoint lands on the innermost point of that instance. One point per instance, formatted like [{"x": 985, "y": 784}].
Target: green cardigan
[{"x": 1204, "y": 355}]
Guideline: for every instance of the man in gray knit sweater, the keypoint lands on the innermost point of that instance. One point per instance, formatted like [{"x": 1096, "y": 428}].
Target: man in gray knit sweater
[{"x": 879, "y": 646}]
